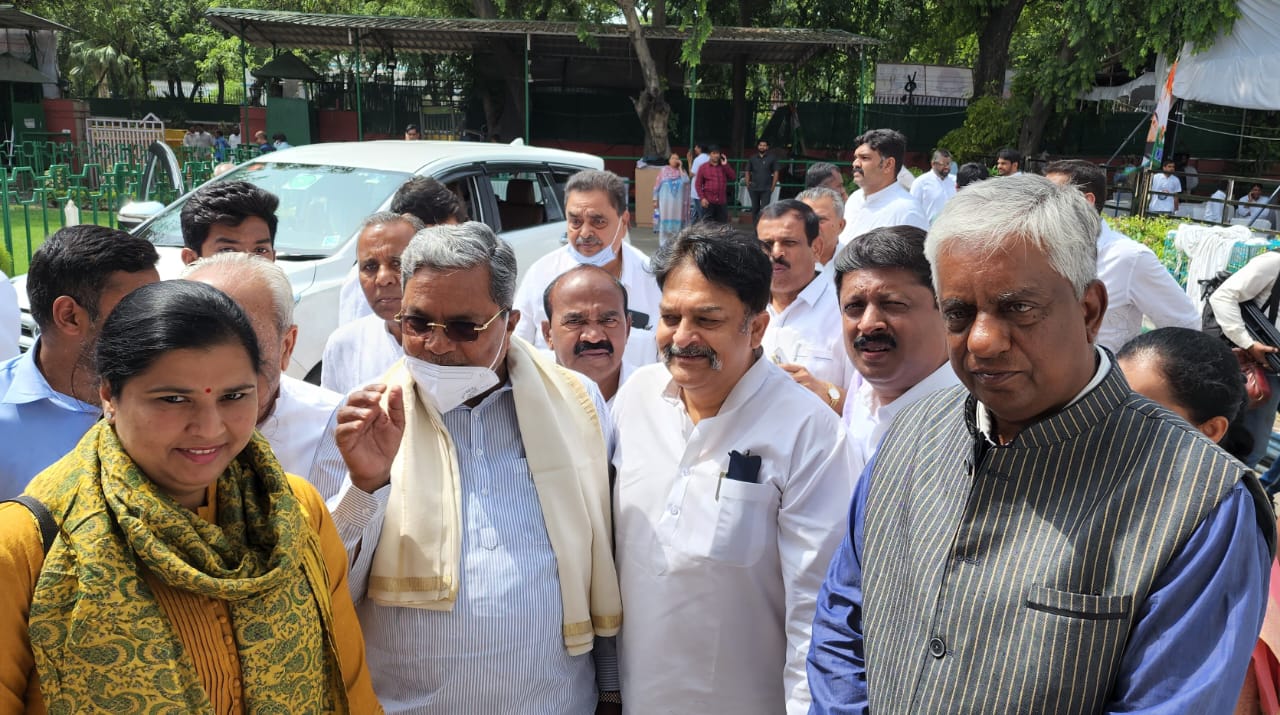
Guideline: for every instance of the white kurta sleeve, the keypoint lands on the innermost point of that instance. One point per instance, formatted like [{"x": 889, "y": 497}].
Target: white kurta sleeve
[{"x": 1251, "y": 282}]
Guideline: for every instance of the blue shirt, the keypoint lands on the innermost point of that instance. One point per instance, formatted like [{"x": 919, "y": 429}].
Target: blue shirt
[
  {"x": 1188, "y": 649},
  {"x": 38, "y": 425}
]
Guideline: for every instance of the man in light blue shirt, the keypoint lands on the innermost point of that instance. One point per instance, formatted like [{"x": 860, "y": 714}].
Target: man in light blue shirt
[{"x": 49, "y": 396}]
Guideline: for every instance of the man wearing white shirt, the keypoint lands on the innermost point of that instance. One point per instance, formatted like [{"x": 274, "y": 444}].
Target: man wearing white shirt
[
  {"x": 597, "y": 217},
  {"x": 589, "y": 330},
  {"x": 829, "y": 205},
  {"x": 1137, "y": 282},
  {"x": 1009, "y": 162},
  {"x": 935, "y": 187},
  {"x": 422, "y": 197},
  {"x": 803, "y": 335},
  {"x": 892, "y": 330},
  {"x": 296, "y": 417},
  {"x": 1214, "y": 208},
  {"x": 10, "y": 319},
  {"x": 1164, "y": 190},
  {"x": 476, "y": 516},
  {"x": 697, "y": 157},
  {"x": 725, "y": 521},
  {"x": 1253, "y": 206},
  {"x": 360, "y": 351},
  {"x": 876, "y": 164}
]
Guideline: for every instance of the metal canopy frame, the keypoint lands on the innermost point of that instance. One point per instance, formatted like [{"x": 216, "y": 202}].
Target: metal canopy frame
[
  {"x": 610, "y": 42},
  {"x": 11, "y": 18}
]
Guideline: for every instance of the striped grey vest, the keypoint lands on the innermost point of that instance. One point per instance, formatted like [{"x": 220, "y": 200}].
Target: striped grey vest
[{"x": 1006, "y": 579}]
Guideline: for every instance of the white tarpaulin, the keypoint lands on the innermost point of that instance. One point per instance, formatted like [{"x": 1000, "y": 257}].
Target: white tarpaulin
[
  {"x": 1128, "y": 89},
  {"x": 1239, "y": 69}
]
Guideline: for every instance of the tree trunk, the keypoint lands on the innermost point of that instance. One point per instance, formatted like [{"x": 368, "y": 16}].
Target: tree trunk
[
  {"x": 659, "y": 10},
  {"x": 993, "y": 49},
  {"x": 511, "y": 69},
  {"x": 651, "y": 105},
  {"x": 1031, "y": 134}
]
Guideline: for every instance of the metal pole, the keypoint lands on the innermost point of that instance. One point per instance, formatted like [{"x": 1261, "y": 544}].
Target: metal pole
[
  {"x": 693, "y": 104},
  {"x": 862, "y": 89},
  {"x": 528, "y": 40},
  {"x": 359, "y": 97},
  {"x": 244, "y": 87}
]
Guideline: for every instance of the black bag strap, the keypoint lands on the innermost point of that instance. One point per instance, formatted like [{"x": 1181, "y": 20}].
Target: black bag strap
[
  {"x": 1273, "y": 300},
  {"x": 48, "y": 526}
]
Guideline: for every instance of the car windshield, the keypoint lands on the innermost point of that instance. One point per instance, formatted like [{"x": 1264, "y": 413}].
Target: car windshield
[{"x": 321, "y": 206}]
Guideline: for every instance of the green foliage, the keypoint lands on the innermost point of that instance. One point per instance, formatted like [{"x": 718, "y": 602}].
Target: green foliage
[
  {"x": 6, "y": 262},
  {"x": 1150, "y": 231},
  {"x": 989, "y": 124}
]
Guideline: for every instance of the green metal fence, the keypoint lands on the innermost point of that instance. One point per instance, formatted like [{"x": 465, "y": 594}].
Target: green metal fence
[{"x": 39, "y": 180}]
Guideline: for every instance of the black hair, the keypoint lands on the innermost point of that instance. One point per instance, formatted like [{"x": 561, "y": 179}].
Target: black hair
[
  {"x": 971, "y": 173},
  {"x": 78, "y": 261},
  {"x": 714, "y": 148},
  {"x": 818, "y": 174},
  {"x": 808, "y": 217},
  {"x": 888, "y": 143},
  {"x": 1011, "y": 155},
  {"x": 1088, "y": 177},
  {"x": 278, "y": 136},
  {"x": 1203, "y": 377},
  {"x": 584, "y": 268},
  {"x": 162, "y": 317},
  {"x": 411, "y": 128},
  {"x": 725, "y": 257},
  {"x": 900, "y": 247},
  {"x": 431, "y": 201},
  {"x": 229, "y": 203},
  {"x": 762, "y": 140}
]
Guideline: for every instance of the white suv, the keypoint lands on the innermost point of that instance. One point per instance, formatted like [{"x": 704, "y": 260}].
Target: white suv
[{"x": 327, "y": 190}]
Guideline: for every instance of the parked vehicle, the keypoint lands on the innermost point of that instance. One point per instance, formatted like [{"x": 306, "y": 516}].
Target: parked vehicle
[{"x": 326, "y": 191}]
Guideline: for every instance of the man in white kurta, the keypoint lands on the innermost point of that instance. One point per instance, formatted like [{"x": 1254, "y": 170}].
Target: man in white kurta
[
  {"x": 892, "y": 330},
  {"x": 725, "y": 519},
  {"x": 803, "y": 336},
  {"x": 357, "y": 353},
  {"x": 876, "y": 164},
  {"x": 934, "y": 188},
  {"x": 1137, "y": 282},
  {"x": 597, "y": 217}
]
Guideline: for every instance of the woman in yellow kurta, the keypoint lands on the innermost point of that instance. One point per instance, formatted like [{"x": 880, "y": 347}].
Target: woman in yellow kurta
[{"x": 189, "y": 573}]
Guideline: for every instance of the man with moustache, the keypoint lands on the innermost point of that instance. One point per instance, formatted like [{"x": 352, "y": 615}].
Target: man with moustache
[
  {"x": 1164, "y": 191},
  {"x": 476, "y": 516},
  {"x": 830, "y": 209},
  {"x": 876, "y": 163},
  {"x": 298, "y": 419},
  {"x": 358, "y": 352},
  {"x": 597, "y": 218},
  {"x": 1009, "y": 162},
  {"x": 935, "y": 187},
  {"x": 725, "y": 521},
  {"x": 892, "y": 331},
  {"x": 1041, "y": 539},
  {"x": 589, "y": 330},
  {"x": 803, "y": 335}
]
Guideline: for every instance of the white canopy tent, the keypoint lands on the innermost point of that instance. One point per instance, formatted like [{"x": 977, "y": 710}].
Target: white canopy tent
[{"x": 1238, "y": 70}]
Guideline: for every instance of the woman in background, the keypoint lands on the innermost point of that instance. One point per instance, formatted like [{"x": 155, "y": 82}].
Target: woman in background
[{"x": 670, "y": 200}]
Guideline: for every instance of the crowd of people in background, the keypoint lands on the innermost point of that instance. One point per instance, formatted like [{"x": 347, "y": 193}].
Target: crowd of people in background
[{"x": 948, "y": 443}]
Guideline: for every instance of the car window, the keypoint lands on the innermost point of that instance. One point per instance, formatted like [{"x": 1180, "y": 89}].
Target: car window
[
  {"x": 522, "y": 198},
  {"x": 321, "y": 206}
]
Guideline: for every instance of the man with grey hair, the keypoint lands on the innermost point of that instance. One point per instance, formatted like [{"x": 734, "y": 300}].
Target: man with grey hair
[
  {"x": 476, "y": 516},
  {"x": 829, "y": 206},
  {"x": 1042, "y": 519},
  {"x": 296, "y": 417},
  {"x": 595, "y": 207},
  {"x": 358, "y": 352},
  {"x": 934, "y": 188}
]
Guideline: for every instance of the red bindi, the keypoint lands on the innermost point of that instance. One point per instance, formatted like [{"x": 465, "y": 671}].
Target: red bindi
[{"x": 208, "y": 390}]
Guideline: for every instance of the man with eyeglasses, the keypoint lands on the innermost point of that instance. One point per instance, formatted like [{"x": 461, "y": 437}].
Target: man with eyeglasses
[
  {"x": 595, "y": 207},
  {"x": 476, "y": 513},
  {"x": 589, "y": 330}
]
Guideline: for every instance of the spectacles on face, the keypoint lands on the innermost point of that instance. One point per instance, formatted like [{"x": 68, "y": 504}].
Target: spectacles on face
[
  {"x": 459, "y": 331},
  {"x": 597, "y": 221}
]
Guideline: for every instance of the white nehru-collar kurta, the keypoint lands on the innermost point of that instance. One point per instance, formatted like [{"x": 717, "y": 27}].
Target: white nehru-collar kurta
[
  {"x": 719, "y": 577},
  {"x": 357, "y": 354},
  {"x": 809, "y": 332}
]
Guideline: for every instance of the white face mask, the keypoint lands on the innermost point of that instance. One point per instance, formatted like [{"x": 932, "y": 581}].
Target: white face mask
[
  {"x": 601, "y": 259},
  {"x": 447, "y": 386}
]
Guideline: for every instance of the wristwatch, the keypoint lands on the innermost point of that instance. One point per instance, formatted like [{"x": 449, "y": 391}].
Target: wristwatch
[{"x": 833, "y": 395}]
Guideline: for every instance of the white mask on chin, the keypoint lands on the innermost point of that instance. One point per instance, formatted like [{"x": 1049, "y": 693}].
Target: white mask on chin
[
  {"x": 601, "y": 259},
  {"x": 444, "y": 387}
]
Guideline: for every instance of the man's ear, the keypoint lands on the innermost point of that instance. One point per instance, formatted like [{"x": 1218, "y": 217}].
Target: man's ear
[
  {"x": 188, "y": 256},
  {"x": 69, "y": 316},
  {"x": 546, "y": 333}
]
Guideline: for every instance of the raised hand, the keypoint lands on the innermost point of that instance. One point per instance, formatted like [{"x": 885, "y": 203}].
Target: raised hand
[{"x": 369, "y": 436}]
